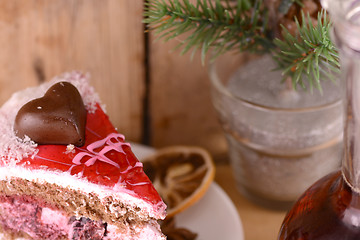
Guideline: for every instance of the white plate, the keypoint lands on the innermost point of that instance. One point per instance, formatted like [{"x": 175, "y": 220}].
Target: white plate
[{"x": 214, "y": 217}]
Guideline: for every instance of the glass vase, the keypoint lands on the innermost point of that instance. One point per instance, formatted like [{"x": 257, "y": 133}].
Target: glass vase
[
  {"x": 279, "y": 140},
  {"x": 330, "y": 209}
]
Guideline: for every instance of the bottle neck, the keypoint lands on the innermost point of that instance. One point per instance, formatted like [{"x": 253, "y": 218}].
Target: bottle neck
[
  {"x": 345, "y": 15},
  {"x": 351, "y": 161}
]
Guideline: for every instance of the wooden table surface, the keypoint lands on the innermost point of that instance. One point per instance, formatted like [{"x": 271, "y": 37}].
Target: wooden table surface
[{"x": 258, "y": 223}]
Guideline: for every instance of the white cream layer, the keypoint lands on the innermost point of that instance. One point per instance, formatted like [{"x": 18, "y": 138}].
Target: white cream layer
[{"x": 65, "y": 180}]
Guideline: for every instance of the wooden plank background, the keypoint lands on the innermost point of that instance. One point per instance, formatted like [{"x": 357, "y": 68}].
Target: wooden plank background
[
  {"x": 180, "y": 103},
  {"x": 43, "y": 38}
]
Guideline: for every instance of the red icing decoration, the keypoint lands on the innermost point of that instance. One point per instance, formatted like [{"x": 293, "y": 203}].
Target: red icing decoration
[{"x": 104, "y": 159}]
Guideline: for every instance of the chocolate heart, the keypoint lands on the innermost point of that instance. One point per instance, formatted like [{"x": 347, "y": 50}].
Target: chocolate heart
[{"x": 58, "y": 117}]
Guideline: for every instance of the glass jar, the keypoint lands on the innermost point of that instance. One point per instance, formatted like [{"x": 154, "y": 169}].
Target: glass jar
[{"x": 279, "y": 140}]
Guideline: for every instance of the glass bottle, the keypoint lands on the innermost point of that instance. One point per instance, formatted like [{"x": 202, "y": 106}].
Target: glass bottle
[{"x": 330, "y": 209}]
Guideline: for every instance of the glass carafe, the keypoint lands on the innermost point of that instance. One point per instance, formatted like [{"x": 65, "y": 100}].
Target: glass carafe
[{"x": 330, "y": 209}]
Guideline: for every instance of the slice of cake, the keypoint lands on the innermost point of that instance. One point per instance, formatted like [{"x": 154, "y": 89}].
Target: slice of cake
[{"x": 66, "y": 173}]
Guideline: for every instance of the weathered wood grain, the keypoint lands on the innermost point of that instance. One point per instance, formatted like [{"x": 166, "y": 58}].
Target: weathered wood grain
[
  {"x": 180, "y": 100},
  {"x": 43, "y": 38}
]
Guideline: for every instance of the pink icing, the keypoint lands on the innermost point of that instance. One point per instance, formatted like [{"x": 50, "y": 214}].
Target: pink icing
[{"x": 107, "y": 145}]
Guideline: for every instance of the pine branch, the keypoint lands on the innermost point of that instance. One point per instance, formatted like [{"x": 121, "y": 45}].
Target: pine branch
[
  {"x": 221, "y": 25},
  {"x": 224, "y": 25},
  {"x": 310, "y": 54}
]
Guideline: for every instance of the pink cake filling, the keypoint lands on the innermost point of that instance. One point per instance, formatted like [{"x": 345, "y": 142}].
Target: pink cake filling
[{"x": 42, "y": 222}]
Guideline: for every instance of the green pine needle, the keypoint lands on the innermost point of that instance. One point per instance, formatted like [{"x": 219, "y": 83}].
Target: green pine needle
[
  {"x": 219, "y": 25},
  {"x": 310, "y": 54},
  {"x": 223, "y": 25}
]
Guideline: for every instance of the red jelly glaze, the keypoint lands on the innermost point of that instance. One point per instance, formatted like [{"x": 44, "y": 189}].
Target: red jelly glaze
[{"x": 129, "y": 174}]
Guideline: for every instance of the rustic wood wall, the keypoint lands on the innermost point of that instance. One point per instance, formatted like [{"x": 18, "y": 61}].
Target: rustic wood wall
[
  {"x": 43, "y": 38},
  {"x": 180, "y": 103}
]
